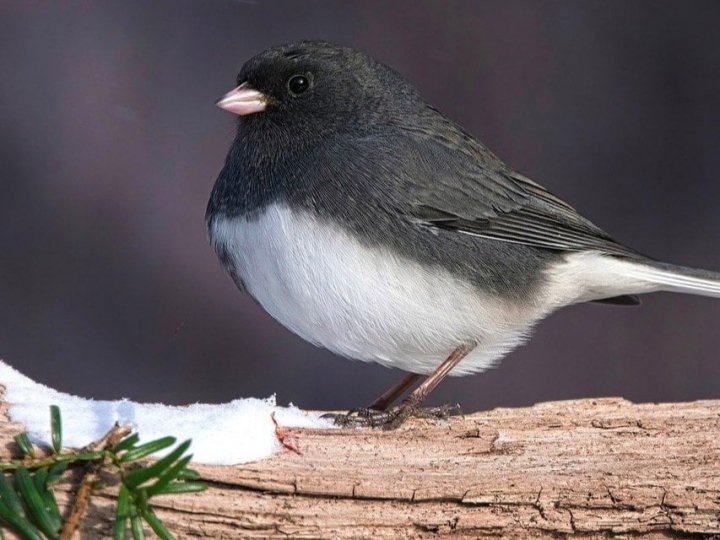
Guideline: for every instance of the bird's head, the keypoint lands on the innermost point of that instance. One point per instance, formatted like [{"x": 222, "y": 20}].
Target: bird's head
[{"x": 313, "y": 88}]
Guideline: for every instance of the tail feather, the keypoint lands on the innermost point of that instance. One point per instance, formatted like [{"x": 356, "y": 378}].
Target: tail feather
[
  {"x": 592, "y": 276},
  {"x": 681, "y": 279}
]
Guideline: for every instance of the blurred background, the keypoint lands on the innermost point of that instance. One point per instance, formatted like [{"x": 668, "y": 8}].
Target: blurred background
[{"x": 110, "y": 143}]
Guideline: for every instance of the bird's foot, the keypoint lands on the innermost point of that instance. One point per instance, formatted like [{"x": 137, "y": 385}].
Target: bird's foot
[
  {"x": 360, "y": 417},
  {"x": 391, "y": 418}
]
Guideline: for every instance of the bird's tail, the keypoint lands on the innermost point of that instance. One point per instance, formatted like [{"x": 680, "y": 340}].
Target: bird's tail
[
  {"x": 674, "y": 278},
  {"x": 592, "y": 276}
]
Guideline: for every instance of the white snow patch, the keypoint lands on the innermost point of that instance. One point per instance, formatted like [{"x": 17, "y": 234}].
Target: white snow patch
[{"x": 224, "y": 434}]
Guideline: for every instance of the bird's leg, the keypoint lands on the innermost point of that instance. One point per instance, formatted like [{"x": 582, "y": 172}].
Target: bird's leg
[
  {"x": 375, "y": 413},
  {"x": 375, "y": 416},
  {"x": 410, "y": 404},
  {"x": 394, "y": 392}
]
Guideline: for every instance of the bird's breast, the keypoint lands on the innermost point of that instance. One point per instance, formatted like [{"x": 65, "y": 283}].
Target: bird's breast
[{"x": 363, "y": 301}]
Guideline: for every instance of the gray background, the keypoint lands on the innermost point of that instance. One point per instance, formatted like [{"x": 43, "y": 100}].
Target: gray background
[{"x": 110, "y": 143}]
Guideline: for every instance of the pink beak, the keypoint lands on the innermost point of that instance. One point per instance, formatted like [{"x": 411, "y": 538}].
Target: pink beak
[{"x": 243, "y": 100}]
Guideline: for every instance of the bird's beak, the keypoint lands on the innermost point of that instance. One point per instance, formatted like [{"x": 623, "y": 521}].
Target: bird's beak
[{"x": 243, "y": 100}]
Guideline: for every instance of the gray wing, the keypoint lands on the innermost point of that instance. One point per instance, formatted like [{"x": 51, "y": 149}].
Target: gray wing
[{"x": 460, "y": 185}]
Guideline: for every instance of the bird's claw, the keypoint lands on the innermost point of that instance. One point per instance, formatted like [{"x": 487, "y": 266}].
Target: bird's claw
[{"x": 391, "y": 418}]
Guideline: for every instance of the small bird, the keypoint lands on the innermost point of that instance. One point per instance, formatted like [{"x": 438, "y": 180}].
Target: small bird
[{"x": 368, "y": 223}]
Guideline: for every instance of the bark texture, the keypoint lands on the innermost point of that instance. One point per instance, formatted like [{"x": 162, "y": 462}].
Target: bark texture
[{"x": 586, "y": 469}]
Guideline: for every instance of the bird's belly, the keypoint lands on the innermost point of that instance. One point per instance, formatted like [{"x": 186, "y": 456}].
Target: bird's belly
[{"x": 363, "y": 301}]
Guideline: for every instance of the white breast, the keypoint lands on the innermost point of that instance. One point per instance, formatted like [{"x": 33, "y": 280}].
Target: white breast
[{"x": 365, "y": 302}]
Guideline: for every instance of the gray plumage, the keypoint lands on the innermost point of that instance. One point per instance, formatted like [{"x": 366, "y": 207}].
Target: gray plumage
[{"x": 362, "y": 153}]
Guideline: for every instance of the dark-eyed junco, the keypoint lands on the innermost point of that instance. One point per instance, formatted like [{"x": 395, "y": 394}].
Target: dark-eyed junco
[{"x": 368, "y": 223}]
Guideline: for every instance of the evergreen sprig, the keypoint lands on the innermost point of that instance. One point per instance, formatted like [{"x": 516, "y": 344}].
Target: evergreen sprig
[{"x": 27, "y": 503}]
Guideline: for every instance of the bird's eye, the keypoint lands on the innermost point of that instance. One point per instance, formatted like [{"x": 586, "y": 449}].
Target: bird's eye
[{"x": 297, "y": 84}]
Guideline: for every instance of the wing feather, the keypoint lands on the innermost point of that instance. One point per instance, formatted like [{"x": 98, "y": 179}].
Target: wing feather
[{"x": 490, "y": 200}]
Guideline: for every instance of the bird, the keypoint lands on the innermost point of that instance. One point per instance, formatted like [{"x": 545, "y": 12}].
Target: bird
[{"x": 369, "y": 223}]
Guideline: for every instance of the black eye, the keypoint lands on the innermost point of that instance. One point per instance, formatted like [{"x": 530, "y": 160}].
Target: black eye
[{"x": 297, "y": 84}]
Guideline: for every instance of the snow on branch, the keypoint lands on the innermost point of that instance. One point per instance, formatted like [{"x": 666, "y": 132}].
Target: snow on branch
[{"x": 586, "y": 468}]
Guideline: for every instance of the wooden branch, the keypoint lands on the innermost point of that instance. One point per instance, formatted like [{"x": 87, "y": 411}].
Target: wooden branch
[{"x": 586, "y": 468}]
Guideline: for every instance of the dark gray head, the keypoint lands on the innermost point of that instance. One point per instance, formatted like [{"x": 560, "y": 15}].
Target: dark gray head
[{"x": 311, "y": 89}]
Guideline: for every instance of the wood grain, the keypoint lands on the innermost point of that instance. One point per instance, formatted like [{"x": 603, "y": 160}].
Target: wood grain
[{"x": 588, "y": 469}]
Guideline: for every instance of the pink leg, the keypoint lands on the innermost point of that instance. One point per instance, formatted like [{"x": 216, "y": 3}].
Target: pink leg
[
  {"x": 417, "y": 396},
  {"x": 382, "y": 403}
]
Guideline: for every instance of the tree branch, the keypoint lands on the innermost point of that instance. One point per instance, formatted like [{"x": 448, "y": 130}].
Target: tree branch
[{"x": 586, "y": 468}]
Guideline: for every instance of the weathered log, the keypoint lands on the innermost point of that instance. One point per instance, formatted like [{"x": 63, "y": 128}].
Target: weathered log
[{"x": 588, "y": 468}]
